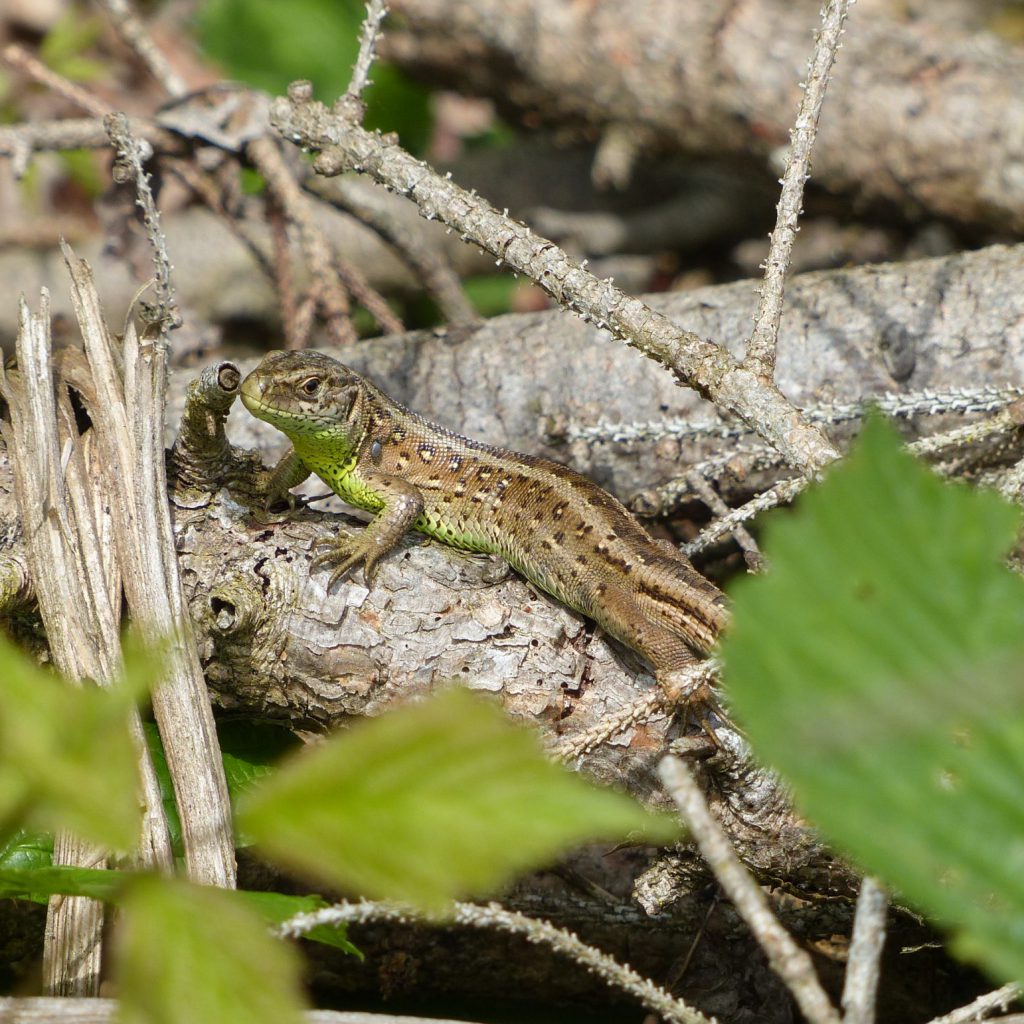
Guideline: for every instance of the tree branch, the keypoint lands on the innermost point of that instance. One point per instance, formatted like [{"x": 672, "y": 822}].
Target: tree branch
[{"x": 697, "y": 363}]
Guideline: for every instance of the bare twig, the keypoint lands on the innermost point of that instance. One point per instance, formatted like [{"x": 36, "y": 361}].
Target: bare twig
[
  {"x": 127, "y": 409},
  {"x": 495, "y": 917},
  {"x": 19, "y": 58},
  {"x": 751, "y": 553},
  {"x": 760, "y": 355},
  {"x": 129, "y": 168},
  {"x": 862, "y": 969},
  {"x": 373, "y": 302},
  {"x": 368, "y": 35},
  {"x": 427, "y": 261},
  {"x": 134, "y": 33},
  {"x": 983, "y": 1006},
  {"x": 788, "y": 960},
  {"x": 703, "y": 365},
  {"x": 333, "y": 298},
  {"x": 287, "y": 293}
]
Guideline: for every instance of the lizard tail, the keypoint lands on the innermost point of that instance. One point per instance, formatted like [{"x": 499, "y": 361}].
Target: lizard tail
[{"x": 673, "y": 594}]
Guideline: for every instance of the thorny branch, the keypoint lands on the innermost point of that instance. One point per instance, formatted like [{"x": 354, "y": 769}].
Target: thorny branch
[
  {"x": 368, "y": 35},
  {"x": 495, "y": 917},
  {"x": 930, "y": 402},
  {"x": 129, "y": 168},
  {"x": 696, "y": 362}
]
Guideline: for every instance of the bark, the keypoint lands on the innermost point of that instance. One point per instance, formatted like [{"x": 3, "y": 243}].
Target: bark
[
  {"x": 922, "y": 114},
  {"x": 519, "y": 381}
]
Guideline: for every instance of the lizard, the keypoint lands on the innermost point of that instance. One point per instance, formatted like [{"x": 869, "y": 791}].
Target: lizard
[{"x": 563, "y": 532}]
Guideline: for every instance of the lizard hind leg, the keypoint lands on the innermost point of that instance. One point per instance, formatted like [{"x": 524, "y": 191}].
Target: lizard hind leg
[
  {"x": 673, "y": 660},
  {"x": 624, "y": 618}
]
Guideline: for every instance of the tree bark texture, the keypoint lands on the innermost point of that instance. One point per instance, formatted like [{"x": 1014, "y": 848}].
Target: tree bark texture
[{"x": 924, "y": 115}]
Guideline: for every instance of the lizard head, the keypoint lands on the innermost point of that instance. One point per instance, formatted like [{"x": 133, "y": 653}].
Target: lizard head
[{"x": 313, "y": 399}]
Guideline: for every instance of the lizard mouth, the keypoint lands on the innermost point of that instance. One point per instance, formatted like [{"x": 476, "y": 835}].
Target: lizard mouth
[{"x": 251, "y": 394}]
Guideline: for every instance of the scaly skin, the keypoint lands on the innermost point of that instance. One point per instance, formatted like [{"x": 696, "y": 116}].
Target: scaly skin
[{"x": 555, "y": 527}]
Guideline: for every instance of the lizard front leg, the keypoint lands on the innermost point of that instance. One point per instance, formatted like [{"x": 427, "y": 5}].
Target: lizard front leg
[
  {"x": 289, "y": 472},
  {"x": 402, "y": 505}
]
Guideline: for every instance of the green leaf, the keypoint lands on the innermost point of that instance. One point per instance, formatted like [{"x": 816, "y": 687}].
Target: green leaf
[
  {"x": 277, "y": 907},
  {"x": 268, "y": 44},
  {"x": 250, "y": 751},
  {"x": 435, "y": 800},
  {"x": 71, "y": 35},
  {"x": 25, "y": 850},
  {"x": 42, "y": 883},
  {"x": 163, "y": 778},
  {"x": 66, "y": 758},
  {"x": 204, "y": 946},
  {"x": 34, "y": 879},
  {"x": 879, "y": 666}
]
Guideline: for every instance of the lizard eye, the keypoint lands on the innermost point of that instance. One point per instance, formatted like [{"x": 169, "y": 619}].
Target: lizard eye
[{"x": 311, "y": 385}]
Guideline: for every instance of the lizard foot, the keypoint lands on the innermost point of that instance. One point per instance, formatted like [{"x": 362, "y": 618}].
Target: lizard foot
[
  {"x": 690, "y": 690},
  {"x": 345, "y": 552}
]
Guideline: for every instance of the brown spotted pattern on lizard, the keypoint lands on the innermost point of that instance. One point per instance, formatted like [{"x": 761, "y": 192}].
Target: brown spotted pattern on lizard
[{"x": 555, "y": 527}]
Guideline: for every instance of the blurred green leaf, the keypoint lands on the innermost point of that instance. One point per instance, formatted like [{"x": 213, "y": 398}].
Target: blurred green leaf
[
  {"x": 438, "y": 799},
  {"x": 43, "y": 882},
  {"x": 63, "y": 46},
  {"x": 268, "y": 44},
  {"x": 491, "y": 295},
  {"x": 879, "y": 666},
  {"x": 32, "y": 877},
  {"x": 83, "y": 169},
  {"x": 276, "y": 907},
  {"x": 190, "y": 952},
  {"x": 66, "y": 759}
]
